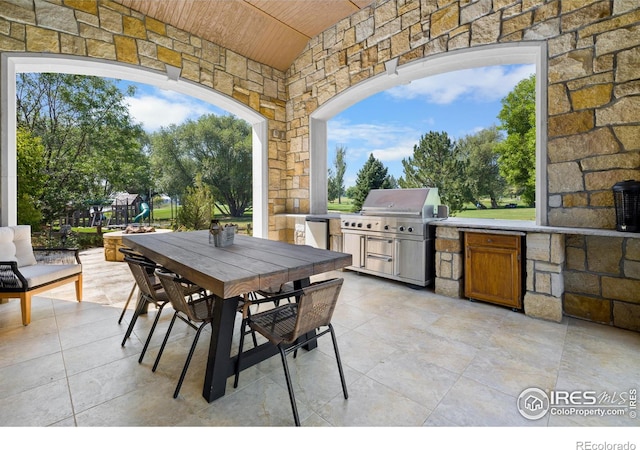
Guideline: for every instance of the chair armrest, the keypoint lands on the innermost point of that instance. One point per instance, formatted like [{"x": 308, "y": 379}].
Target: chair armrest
[
  {"x": 57, "y": 255},
  {"x": 270, "y": 299},
  {"x": 10, "y": 276}
]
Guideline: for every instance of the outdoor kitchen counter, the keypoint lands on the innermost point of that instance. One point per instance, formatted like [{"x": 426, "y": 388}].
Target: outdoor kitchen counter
[
  {"x": 554, "y": 262},
  {"x": 524, "y": 226}
]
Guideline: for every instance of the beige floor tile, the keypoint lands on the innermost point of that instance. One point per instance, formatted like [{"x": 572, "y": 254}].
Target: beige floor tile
[{"x": 411, "y": 358}]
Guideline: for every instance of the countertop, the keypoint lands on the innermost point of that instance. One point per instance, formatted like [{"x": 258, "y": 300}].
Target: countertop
[{"x": 526, "y": 226}]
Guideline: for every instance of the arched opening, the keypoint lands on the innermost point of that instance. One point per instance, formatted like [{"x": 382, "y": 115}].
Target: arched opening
[
  {"x": 13, "y": 64},
  {"x": 499, "y": 54}
]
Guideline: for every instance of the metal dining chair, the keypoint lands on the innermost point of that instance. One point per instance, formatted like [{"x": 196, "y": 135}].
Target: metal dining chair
[
  {"x": 129, "y": 252},
  {"x": 197, "y": 312},
  {"x": 151, "y": 292},
  {"x": 293, "y": 325}
]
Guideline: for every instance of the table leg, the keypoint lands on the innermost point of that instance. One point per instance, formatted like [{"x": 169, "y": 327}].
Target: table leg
[{"x": 219, "y": 361}]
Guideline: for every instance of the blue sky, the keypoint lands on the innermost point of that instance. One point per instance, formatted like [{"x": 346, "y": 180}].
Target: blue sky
[{"x": 387, "y": 124}]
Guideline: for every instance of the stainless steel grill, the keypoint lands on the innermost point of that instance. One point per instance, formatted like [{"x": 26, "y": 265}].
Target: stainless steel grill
[{"x": 391, "y": 237}]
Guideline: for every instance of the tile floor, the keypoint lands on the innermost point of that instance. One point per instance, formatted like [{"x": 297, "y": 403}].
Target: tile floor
[{"x": 412, "y": 359}]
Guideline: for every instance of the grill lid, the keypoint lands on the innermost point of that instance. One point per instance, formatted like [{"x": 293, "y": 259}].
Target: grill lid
[{"x": 419, "y": 202}]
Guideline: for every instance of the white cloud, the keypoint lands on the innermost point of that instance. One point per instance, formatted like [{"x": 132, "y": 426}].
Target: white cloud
[
  {"x": 387, "y": 142},
  {"x": 160, "y": 108},
  {"x": 485, "y": 84}
]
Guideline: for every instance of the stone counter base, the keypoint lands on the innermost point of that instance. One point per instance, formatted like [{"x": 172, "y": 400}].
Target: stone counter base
[{"x": 596, "y": 278}]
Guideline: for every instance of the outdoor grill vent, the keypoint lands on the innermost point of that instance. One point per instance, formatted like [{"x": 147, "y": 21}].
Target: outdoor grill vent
[{"x": 626, "y": 195}]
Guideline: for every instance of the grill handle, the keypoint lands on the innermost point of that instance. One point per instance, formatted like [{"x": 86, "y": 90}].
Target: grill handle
[{"x": 382, "y": 258}]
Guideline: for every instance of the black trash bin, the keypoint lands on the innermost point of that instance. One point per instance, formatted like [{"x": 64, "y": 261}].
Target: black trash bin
[{"x": 626, "y": 195}]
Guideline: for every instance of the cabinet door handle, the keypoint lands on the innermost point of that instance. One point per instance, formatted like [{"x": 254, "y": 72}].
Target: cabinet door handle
[{"x": 396, "y": 262}]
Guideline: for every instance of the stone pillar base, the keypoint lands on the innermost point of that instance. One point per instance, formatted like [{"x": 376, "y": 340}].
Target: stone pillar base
[
  {"x": 543, "y": 307},
  {"x": 449, "y": 288}
]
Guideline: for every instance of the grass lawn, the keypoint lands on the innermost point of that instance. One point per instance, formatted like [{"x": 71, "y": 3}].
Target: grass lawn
[
  {"x": 519, "y": 213},
  {"x": 344, "y": 206}
]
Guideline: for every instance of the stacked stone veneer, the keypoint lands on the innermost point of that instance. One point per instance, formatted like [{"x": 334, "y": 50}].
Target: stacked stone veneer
[
  {"x": 449, "y": 262},
  {"x": 592, "y": 120},
  {"x": 544, "y": 285},
  {"x": 602, "y": 280},
  {"x": 590, "y": 277},
  {"x": 105, "y": 30},
  {"x": 593, "y": 85},
  {"x": 543, "y": 270},
  {"x": 593, "y": 110}
]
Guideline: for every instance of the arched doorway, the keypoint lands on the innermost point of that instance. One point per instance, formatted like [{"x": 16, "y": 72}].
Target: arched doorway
[
  {"x": 490, "y": 55},
  {"x": 12, "y": 64}
]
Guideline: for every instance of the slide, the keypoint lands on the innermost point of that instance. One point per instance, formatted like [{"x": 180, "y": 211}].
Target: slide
[{"x": 144, "y": 207}]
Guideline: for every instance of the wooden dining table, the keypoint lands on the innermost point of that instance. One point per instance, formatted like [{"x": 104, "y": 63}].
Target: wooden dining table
[{"x": 247, "y": 265}]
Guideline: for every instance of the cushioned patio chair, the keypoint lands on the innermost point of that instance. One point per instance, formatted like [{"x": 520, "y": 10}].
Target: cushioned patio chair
[
  {"x": 26, "y": 271},
  {"x": 293, "y": 325}
]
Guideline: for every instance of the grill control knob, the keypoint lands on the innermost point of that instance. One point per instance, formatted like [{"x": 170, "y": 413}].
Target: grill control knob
[
  {"x": 368, "y": 225},
  {"x": 359, "y": 225},
  {"x": 410, "y": 229},
  {"x": 386, "y": 227},
  {"x": 401, "y": 228},
  {"x": 353, "y": 224}
]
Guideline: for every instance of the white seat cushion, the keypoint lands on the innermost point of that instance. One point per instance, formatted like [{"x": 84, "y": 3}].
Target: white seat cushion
[
  {"x": 40, "y": 274},
  {"x": 7, "y": 247},
  {"x": 24, "y": 249}
]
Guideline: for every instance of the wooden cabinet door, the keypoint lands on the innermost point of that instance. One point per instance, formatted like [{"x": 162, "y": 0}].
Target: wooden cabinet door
[{"x": 493, "y": 268}]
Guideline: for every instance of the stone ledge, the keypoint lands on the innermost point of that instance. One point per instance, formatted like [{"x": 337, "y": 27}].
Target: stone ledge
[{"x": 527, "y": 226}]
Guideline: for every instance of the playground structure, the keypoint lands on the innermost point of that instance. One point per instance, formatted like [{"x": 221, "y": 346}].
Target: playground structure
[
  {"x": 144, "y": 212},
  {"x": 125, "y": 209}
]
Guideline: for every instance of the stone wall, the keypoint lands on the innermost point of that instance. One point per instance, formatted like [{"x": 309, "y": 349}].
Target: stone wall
[
  {"x": 602, "y": 280},
  {"x": 592, "y": 123},
  {"x": 544, "y": 278},
  {"x": 108, "y": 31},
  {"x": 449, "y": 262},
  {"x": 590, "y": 277},
  {"x": 593, "y": 82}
]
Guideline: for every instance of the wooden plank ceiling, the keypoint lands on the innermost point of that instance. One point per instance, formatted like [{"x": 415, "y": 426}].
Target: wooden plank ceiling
[{"x": 273, "y": 32}]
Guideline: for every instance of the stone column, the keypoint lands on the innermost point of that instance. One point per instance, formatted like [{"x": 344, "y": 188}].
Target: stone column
[
  {"x": 545, "y": 283},
  {"x": 449, "y": 267}
]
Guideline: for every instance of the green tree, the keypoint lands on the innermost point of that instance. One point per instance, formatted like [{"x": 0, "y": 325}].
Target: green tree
[
  {"x": 373, "y": 175},
  {"x": 217, "y": 147},
  {"x": 92, "y": 147},
  {"x": 30, "y": 171},
  {"x": 173, "y": 168},
  {"x": 518, "y": 151},
  {"x": 332, "y": 187},
  {"x": 336, "y": 183},
  {"x": 197, "y": 206},
  {"x": 483, "y": 173},
  {"x": 437, "y": 162}
]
